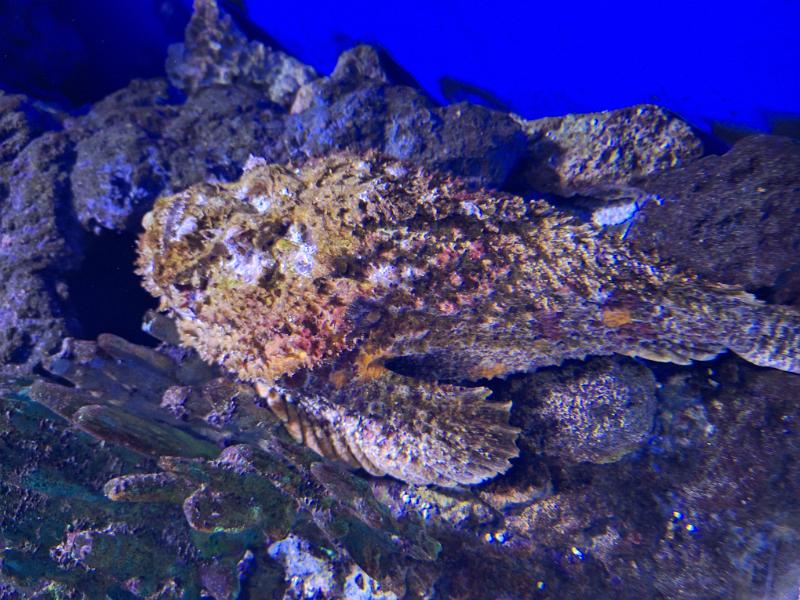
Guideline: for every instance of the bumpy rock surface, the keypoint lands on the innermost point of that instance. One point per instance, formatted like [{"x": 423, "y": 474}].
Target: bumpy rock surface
[
  {"x": 39, "y": 242},
  {"x": 734, "y": 218},
  {"x": 601, "y": 155},
  {"x": 597, "y": 412},
  {"x": 216, "y": 52},
  {"x": 21, "y": 120}
]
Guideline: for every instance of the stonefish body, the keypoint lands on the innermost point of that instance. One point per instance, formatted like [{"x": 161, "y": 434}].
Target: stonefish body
[{"x": 360, "y": 295}]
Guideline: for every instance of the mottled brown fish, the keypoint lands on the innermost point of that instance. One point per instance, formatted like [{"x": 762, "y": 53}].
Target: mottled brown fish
[{"x": 328, "y": 285}]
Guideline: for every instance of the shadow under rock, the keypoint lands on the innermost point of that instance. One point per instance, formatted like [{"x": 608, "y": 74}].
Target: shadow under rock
[{"x": 105, "y": 293}]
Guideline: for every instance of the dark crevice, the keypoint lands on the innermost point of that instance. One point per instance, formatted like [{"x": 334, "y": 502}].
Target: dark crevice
[
  {"x": 40, "y": 371},
  {"x": 106, "y": 294},
  {"x": 21, "y": 354}
]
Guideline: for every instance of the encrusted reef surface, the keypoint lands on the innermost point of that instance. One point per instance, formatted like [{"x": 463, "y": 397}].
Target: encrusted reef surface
[{"x": 131, "y": 471}]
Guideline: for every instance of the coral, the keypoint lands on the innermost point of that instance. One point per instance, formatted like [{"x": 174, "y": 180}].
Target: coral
[
  {"x": 330, "y": 285},
  {"x": 597, "y": 412},
  {"x": 603, "y": 154},
  {"x": 216, "y": 52}
]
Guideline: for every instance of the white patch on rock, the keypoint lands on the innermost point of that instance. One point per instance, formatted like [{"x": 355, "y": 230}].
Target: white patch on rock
[
  {"x": 187, "y": 226},
  {"x": 382, "y": 275},
  {"x": 241, "y": 193},
  {"x": 471, "y": 209},
  {"x": 396, "y": 171},
  {"x": 614, "y": 214},
  {"x": 309, "y": 575},
  {"x": 262, "y": 203},
  {"x": 360, "y": 586},
  {"x": 253, "y": 162},
  {"x": 250, "y": 267},
  {"x": 302, "y": 260}
]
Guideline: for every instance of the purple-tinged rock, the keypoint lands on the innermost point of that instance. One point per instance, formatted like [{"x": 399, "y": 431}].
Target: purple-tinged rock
[
  {"x": 21, "y": 121},
  {"x": 215, "y": 52},
  {"x": 39, "y": 242},
  {"x": 400, "y": 122},
  {"x": 596, "y": 411},
  {"x": 733, "y": 218}
]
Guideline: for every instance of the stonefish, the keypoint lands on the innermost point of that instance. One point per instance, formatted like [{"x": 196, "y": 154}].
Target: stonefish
[{"x": 365, "y": 298}]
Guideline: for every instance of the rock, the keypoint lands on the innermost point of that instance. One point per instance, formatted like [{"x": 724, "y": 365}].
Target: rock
[
  {"x": 39, "y": 243},
  {"x": 603, "y": 154},
  {"x": 732, "y": 486},
  {"x": 215, "y": 132},
  {"x": 354, "y": 68},
  {"x": 21, "y": 121},
  {"x": 137, "y": 144},
  {"x": 141, "y": 142},
  {"x": 215, "y": 52},
  {"x": 363, "y": 62},
  {"x": 734, "y": 217},
  {"x": 119, "y": 171},
  {"x": 528, "y": 481},
  {"x": 402, "y": 123},
  {"x": 35, "y": 223},
  {"x": 597, "y": 411},
  {"x": 31, "y": 323}
]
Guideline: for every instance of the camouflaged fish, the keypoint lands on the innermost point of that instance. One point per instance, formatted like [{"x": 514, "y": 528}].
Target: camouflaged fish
[{"x": 362, "y": 296}]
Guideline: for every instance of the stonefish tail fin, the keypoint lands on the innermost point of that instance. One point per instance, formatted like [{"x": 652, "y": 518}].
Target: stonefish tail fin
[
  {"x": 768, "y": 336},
  {"x": 698, "y": 322}
]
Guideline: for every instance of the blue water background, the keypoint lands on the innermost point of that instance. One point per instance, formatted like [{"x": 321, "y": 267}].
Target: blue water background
[{"x": 735, "y": 63}]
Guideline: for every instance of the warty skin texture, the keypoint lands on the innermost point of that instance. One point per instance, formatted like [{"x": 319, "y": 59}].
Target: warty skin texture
[{"x": 324, "y": 284}]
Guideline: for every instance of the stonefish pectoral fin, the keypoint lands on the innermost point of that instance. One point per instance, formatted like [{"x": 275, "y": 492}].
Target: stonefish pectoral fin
[{"x": 417, "y": 431}]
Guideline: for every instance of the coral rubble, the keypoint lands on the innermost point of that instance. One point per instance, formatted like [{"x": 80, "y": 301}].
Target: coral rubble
[{"x": 253, "y": 492}]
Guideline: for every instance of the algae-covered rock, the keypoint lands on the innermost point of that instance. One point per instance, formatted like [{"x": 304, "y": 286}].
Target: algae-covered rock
[
  {"x": 58, "y": 531},
  {"x": 602, "y": 155}
]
